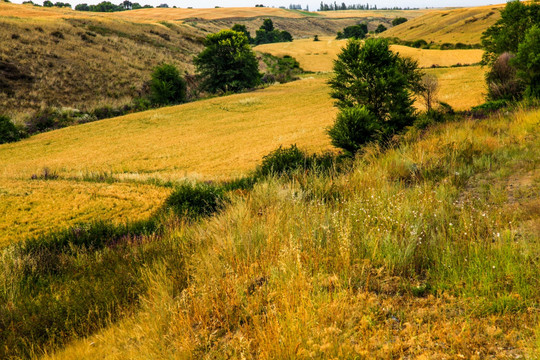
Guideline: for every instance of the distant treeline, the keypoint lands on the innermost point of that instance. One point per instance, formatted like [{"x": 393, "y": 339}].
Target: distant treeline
[
  {"x": 343, "y": 6},
  {"x": 104, "y": 6}
]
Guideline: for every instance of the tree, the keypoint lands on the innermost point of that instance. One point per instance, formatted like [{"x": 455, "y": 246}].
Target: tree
[
  {"x": 242, "y": 29},
  {"x": 268, "y": 25},
  {"x": 381, "y": 28},
  {"x": 227, "y": 63},
  {"x": 354, "y": 31},
  {"x": 509, "y": 31},
  {"x": 398, "y": 20},
  {"x": 8, "y": 131},
  {"x": 429, "y": 87},
  {"x": 167, "y": 86},
  {"x": 48, "y": 3},
  {"x": 527, "y": 61},
  {"x": 372, "y": 76}
]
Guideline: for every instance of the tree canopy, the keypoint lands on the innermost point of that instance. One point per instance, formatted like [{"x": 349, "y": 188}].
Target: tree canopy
[
  {"x": 227, "y": 63},
  {"x": 370, "y": 76}
]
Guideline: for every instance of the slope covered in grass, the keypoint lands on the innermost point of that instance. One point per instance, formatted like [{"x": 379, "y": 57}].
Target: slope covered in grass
[
  {"x": 463, "y": 25},
  {"x": 426, "y": 250}
]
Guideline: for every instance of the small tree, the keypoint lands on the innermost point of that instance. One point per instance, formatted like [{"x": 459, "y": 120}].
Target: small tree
[
  {"x": 381, "y": 28},
  {"x": 398, "y": 20},
  {"x": 353, "y": 128},
  {"x": 227, "y": 63},
  {"x": 371, "y": 75},
  {"x": 316, "y": 38},
  {"x": 167, "y": 86},
  {"x": 527, "y": 62},
  {"x": 268, "y": 25},
  {"x": 428, "y": 90},
  {"x": 8, "y": 130}
]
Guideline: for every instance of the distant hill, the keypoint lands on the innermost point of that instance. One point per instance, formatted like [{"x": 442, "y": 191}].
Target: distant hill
[
  {"x": 62, "y": 57},
  {"x": 464, "y": 25}
]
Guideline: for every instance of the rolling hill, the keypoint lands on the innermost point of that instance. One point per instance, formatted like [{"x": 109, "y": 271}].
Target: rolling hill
[
  {"x": 83, "y": 60},
  {"x": 464, "y": 25}
]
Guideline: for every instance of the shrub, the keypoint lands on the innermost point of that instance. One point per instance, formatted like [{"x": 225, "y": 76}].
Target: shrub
[
  {"x": 8, "y": 130},
  {"x": 52, "y": 118},
  {"x": 286, "y": 161},
  {"x": 419, "y": 43},
  {"x": 502, "y": 80},
  {"x": 195, "y": 200},
  {"x": 167, "y": 86},
  {"x": 429, "y": 117},
  {"x": 354, "y": 31},
  {"x": 398, "y": 20},
  {"x": 316, "y": 38},
  {"x": 284, "y": 69},
  {"x": 381, "y": 28},
  {"x": 354, "y": 127},
  {"x": 429, "y": 87}
]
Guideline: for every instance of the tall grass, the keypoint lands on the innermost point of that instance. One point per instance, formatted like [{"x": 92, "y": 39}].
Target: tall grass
[{"x": 422, "y": 250}]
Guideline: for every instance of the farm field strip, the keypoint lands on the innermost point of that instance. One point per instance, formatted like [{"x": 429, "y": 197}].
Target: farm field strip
[{"x": 319, "y": 56}]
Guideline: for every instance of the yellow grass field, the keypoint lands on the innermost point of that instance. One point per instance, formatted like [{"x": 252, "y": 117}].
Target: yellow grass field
[
  {"x": 33, "y": 207},
  {"x": 464, "y": 25},
  {"x": 319, "y": 55},
  {"x": 210, "y": 139}
]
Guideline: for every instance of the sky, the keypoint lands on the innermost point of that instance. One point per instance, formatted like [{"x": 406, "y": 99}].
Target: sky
[{"x": 313, "y": 4}]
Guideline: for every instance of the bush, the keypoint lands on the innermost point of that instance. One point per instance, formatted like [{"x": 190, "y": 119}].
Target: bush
[
  {"x": 381, "y": 28},
  {"x": 419, "y": 43},
  {"x": 354, "y": 32},
  {"x": 429, "y": 117},
  {"x": 353, "y": 128},
  {"x": 167, "y": 86},
  {"x": 196, "y": 200},
  {"x": 398, "y": 20},
  {"x": 286, "y": 161},
  {"x": 52, "y": 118},
  {"x": 502, "y": 80},
  {"x": 8, "y": 130},
  {"x": 283, "y": 70}
]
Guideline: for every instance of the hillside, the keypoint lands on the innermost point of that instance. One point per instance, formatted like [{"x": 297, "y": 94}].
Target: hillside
[
  {"x": 61, "y": 57},
  {"x": 463, "y": 25},
  {"x": 381, "y": 261}
]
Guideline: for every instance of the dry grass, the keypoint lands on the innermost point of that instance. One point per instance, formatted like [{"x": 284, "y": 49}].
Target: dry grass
[
  {"x": 33, "y": 207},
  {"x": 461, "y": 87},
  {"x": 95, "y": 62},
  {"x": 319, "y": 55},
  {"x": 220, "y": 137},
  {"x": 464, "y": 25},
  {"x": 289, "y": 272}
]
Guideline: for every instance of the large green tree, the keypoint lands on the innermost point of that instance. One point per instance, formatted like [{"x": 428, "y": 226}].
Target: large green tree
[
  {"x": 527, "y": 61},
  {"x": 509, "y": 31},
  {"x": 369, "y": 75},
  {"x": 227, "y": 63}
]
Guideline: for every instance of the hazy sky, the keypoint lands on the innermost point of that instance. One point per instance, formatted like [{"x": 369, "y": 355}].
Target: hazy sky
[{"x": 313, "y": 4}]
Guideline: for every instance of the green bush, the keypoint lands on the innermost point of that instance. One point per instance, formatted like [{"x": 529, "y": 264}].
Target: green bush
[
  {"x": 167, "y": 86},
  {"x": 419, "y": 43},
  {"x": 52, "y": 118},
  {"x": 286, "y": 161},
  {"x": 354, "y": 127},
  {"x": 353, "y": 32},
  {"x": 381, "y": 28},
  {"x": 196, "y": 200},
  {"x": 8, "y": 130},
  {"x": 527, "y": 61},
  {"x": 398, "y": 20},
  {"x": 282, "y": 69}
]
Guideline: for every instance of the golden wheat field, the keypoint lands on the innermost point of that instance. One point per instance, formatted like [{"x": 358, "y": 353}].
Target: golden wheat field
[
  {"x": 34, "y": 207},
  {"x": 464, "y": 25},
  {"x": 320, "y": 55}
]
